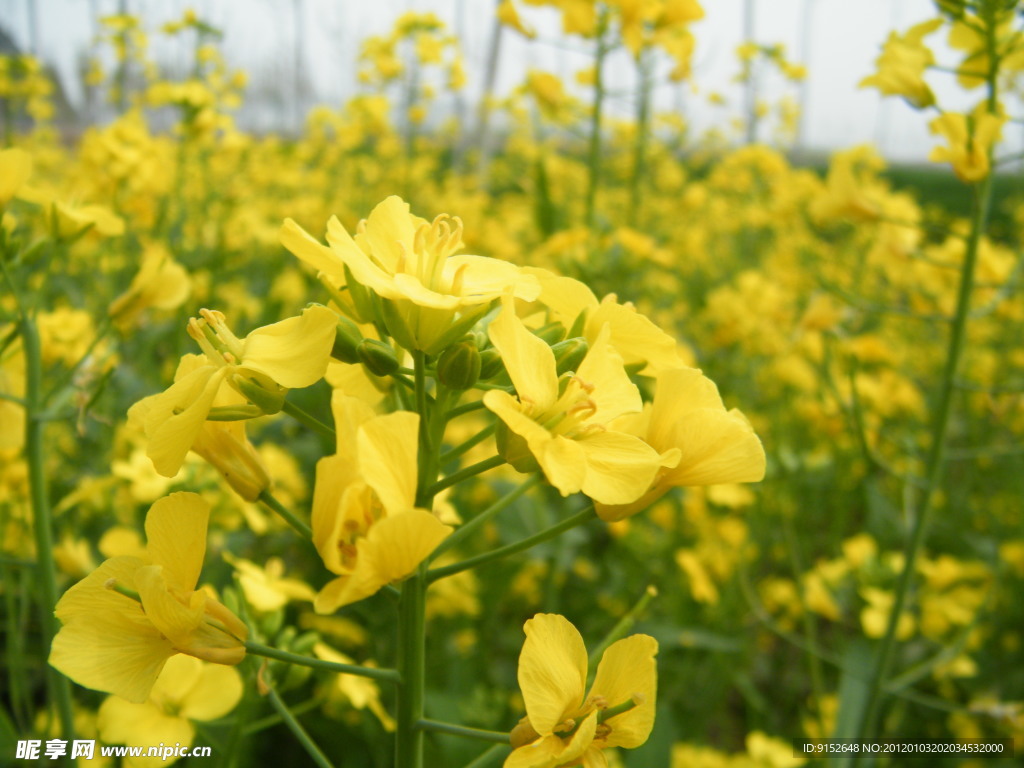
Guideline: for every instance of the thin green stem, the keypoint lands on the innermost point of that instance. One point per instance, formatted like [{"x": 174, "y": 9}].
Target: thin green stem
[
  {"x": 374, "y": 673},
  {"x": 308, "y": 420},
  {"x": 491, "y": 757},
  {"x": 480, "y": 734},
  {"x": 269, "y": 500},
  {"x": 465, "y": 408},
  {"x": 623, "y": 625},
  {"x": 474, "y": 441},
  {"x": 468, "y": 529},
  {"x": 465, "y": 474},
  {"x": 935, "y": 459},
  {"x": 36, "y": 458},
  {"x": 643, "y": 122},
  {"x": 271, "y": 720},
  {"x": 300, "y": 733},
  {"x": 579, "y": 518}
]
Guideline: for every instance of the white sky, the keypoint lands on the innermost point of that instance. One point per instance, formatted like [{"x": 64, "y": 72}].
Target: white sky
[{"x": 842, "y": 41}]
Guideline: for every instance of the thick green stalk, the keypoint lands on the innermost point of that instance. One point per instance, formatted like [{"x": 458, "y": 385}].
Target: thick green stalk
[
  {"x": 36, "y": 458},
  {"x": 935, "y": 458}
]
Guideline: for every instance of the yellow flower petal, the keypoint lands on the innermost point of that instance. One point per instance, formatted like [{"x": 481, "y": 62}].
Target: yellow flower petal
[
  {"x": 15, "y": 168},
  {"x": 319, "y": 256},
  {"x": 628, "y": 671},
  {"x": 124, "y": 722},
  {"x": 388, "y": 446},
  {"x": 176, "y": 537},
  {"x": 293, "y": 352},
  {"x": 529, "y": 361},
  {"x": 619, "y": 467},
  {"x": 552, "y": 670},
  {"x": 107, "y": 642},
  {"x": 216, "y": 692}
]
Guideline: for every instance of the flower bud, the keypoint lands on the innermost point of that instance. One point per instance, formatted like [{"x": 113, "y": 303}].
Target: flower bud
[
  {"x": 552, "y": 333},
  {"x": 231, "y": 454},
  {"x": 265, "y": 394},
  {"x": 491, "y": 363},
  {"x": 379, "y": 358},
  {"x": 346, "y": 341},
  {"x": 459, "y": 366},
  {"x": 569, "y": 354}
]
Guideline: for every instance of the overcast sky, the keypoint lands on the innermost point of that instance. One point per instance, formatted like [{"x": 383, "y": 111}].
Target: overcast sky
[{"x": 837, "y": 39}]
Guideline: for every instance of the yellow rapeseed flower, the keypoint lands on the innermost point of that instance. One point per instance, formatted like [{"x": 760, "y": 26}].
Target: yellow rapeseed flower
[
  {"x": 562, "y": 424},
  {"x": 366, "y": 526},
  {"x": 129, "y": 616},
  {"x": 564, "y": 727}
]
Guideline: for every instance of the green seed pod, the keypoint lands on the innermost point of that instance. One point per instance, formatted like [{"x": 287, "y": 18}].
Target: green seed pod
[
  {"x": 569, "y": 354},
  {"x": 379, "y": 358},
  {"x": 346, "y": 341},
  {"x": 459, "y": 365}
]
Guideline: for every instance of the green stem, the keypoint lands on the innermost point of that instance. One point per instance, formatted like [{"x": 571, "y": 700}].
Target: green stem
[
  {"x": 490, "y": 757},
  {"x": 594, "y": 154},
  {"x": 308, "y": 420},
  {"x": 271, "y": 720},
  {"x": 934, "y": 461},
  {"x": 465, "y": 474},
  {"x": 623, "y": 626},
  {"x": 579, "y": 518},
  {"x": 300, "y": 733},
  {"x": 477, "y": 522},
  {"x": 36, "y": 459},
  {"x": 480, "y": 734},
  {"x": 412, "y": 622},
  {"x": 268, "y": 499},
  {"x": 476, "y": 405},
  {"x": 374, "y": 673},
  {"x": 474, "y": 441},
  {"x": 643, "y": 121}
]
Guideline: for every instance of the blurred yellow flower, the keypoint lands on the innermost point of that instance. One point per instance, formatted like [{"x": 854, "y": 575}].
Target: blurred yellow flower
[
  {"x": 15, "y": 168},
  {"x": 971, "y": 139},
  {"x": 902, "y": 64}
]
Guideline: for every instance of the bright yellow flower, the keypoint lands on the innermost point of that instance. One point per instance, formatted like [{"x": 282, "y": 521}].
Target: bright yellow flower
[
  {"x": 563, "y": 726},
  {"x": 15, "y": 168},
  {"x": 713, "y": 445},
  {"x": 129, "y": 616},
  {"x": 186, "y": 690},
  {"x": 366, "y": 526},
  {"x": 971, "y": 138},
  {"x": 431, "y": 295},
  {"x": 563, "y": 424},
  {"x": 289, "y": 354}
]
